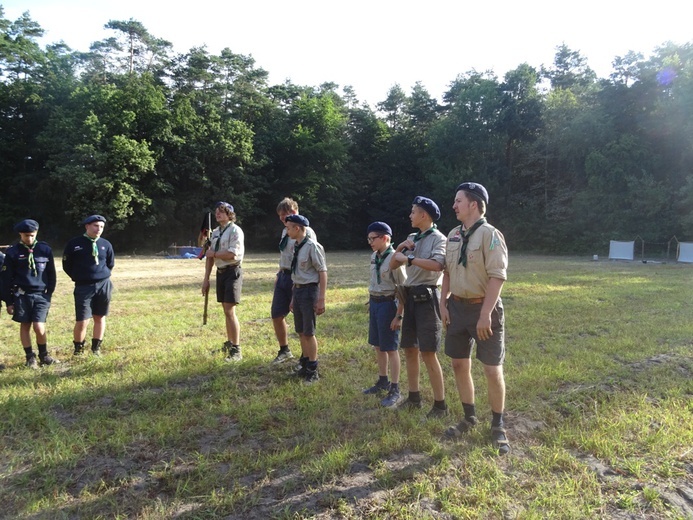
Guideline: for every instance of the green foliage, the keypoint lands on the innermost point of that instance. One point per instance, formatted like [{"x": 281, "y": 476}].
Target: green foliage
[{"x": 154, "y": 138}]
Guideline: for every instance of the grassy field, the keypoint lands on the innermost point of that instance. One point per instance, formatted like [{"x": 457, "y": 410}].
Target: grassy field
[{"x": 599, "y": 408}]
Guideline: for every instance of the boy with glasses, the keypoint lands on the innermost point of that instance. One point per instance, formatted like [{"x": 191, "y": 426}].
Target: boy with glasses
[{"x": 386, "y": 311}]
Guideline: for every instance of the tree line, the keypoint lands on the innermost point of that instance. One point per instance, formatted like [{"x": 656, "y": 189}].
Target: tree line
[{"x": 151, "y": 139}]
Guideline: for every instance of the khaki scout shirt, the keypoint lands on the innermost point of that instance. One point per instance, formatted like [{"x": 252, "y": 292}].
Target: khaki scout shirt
[
  {"x": 311, "y": 261},
  {"x": 232, "y": 240},
  {"x": 487, "y": 257},
  {"x": 431, "y": 247},
  {"x": 389, "y": 278},
  {"x": 287, "y": 255}
]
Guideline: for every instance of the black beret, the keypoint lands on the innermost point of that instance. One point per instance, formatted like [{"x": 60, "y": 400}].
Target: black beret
[
  {"x": 26, "y": 226},
  {"x": 475, "y": 188},
  {"x": 94, "y": 218},
  {"x": 428, "y": 206},
  {"x": 379, "y": 227},
  {"x": 298, "y": 219}
]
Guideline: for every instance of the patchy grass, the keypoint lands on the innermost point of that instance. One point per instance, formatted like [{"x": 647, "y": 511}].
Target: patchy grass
[{"x": 599, "y": 372}]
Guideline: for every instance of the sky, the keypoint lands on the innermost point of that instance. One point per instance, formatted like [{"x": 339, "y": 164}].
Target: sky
[{"x": 372, "y": 45}]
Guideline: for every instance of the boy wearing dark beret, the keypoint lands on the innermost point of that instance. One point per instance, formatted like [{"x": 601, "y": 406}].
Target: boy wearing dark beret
[
  {"x": 309, "y": 276},
  {"x": 88, "y": 260},
  {"x": 386, "y": 310},
  {"x": 28, "y": 282},
  {"x": 423, "y": 253}
]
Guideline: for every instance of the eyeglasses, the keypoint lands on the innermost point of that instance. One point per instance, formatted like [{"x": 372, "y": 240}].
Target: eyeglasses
[{"x": 371, "y": 239}]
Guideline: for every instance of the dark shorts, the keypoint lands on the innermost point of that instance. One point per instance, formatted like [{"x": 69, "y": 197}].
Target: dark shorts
[
  {"x": 229, "y": 284},
  {"x": 422, "y": 326},
  {"x": 31, "y": 308},
  {"x": 282, "y": 295},
  {"x": 461, "y": 335},
  {"x": 92, "y": 299},
  {"x": 379, "y": 332},
  {"x": 304, "y": 311}
]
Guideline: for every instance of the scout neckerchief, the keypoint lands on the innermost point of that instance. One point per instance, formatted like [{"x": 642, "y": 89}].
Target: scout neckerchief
[
  {"x": 297, "y": 248},
  {"x": 216, "y": 246},
  {"x": 32, "y": 263},
  {"x": 379, "y": 260},
  {"x": 421, "y": 235},
  {"x": 465, "y": 240},
  {"x": 94, "y": 248},
  {"x": 283, "y": 242}
]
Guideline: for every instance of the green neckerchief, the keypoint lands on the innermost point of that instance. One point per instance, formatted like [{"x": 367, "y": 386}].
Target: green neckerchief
[
  {"x": 297, "y": 248},
  {"x": 421, "y": 235},
  {"x": 379, "y": 260},
  {"x": 216, "y": 246},
  {"x": 32, "y": 262},
  {"x": 465, "y": 240},
  {"x": 283, "y": 242},
  {"x": 94, "y": 248}
]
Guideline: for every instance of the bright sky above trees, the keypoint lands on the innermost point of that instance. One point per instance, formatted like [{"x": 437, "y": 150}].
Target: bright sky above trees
[{"x": 374, "y": 44}]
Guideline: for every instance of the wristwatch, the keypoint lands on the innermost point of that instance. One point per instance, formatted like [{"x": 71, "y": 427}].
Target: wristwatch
[{"x": 410, "y": 258}]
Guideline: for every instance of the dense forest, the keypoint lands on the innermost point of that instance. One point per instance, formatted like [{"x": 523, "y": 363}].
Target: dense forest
[{"x": 151, "y": 139}]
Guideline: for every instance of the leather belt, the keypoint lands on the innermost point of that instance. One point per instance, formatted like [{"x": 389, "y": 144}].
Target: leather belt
[
  {"x": 380, "y": 299},
  {"x": 300, "y": 285},
  {"x": 468, "y": 301},
  {"x": 222, "y": 269}
]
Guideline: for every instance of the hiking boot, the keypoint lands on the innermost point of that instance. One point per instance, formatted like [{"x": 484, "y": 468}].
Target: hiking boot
[
  {"x": 283, "y": 355},
  {"x": 461, "y": 428},
  {"x": 311, "y": 377},
  {"x": 47, "y": 360},
  {"x": 226, "y": 348},
  {"x": 300, "y": 369},
  {"x": 79, "y": 350},
  {"x": 377, "y": 388},
  {"x": 96, "y": 352},
  {"x": 437, "y": 413},
  {"x": 393, "y": 397},
  {"x": 31, "y": 362},
  {"x": 409, "y": 405},
  {"x": 234, "y": 354},
  {"x": 499, "y": 440}
]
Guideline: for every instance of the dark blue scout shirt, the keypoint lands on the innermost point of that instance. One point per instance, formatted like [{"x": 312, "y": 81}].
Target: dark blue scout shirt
[
  {"x": 79, "y": 262},
  {"x": 17, "y": 273}
]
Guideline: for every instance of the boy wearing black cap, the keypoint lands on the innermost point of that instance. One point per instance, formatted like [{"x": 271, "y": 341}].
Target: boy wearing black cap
[
  {"x": 28, "y": 282},
  {"x": 476, "y": 266},
  {"x": 424, "y": 255},
  {"x": 309, "y": 276},
  {"x": 386, "y": 310},
  {"x": 283, "y": 286},
  {"x": 88, "y": 260},
  {"x": 226, "y": 253}
]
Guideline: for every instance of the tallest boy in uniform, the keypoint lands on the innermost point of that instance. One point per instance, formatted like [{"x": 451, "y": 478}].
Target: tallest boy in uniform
[{"x": 476, "y": 267}]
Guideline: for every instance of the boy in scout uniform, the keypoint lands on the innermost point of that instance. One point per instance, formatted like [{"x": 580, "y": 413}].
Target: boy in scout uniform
[
  {"x": 476, "y": 266},
  {"x": 424, "y": 255},
  {"x": 28, "y": 282},
  {"x": 309, "y": 276},
  {"x": 226, "y": 253},
  {"x": 283, "y": 286},
  {"x": 386, "y": 310},
  {"x": 89, "y": 259}
]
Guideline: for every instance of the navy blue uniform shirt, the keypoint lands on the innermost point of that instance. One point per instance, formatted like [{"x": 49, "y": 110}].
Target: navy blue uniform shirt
[
  {"x": 16, "y": 271},
  {"x": 79, "y": 262}
]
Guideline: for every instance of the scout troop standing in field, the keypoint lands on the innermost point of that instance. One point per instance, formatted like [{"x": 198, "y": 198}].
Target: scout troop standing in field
[{"x": 426, "y": 284}]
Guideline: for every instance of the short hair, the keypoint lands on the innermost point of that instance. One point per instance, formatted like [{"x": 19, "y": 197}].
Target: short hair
[
  {"x": 476, "y": 198},
  {"x": 287, "y": 205}
]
